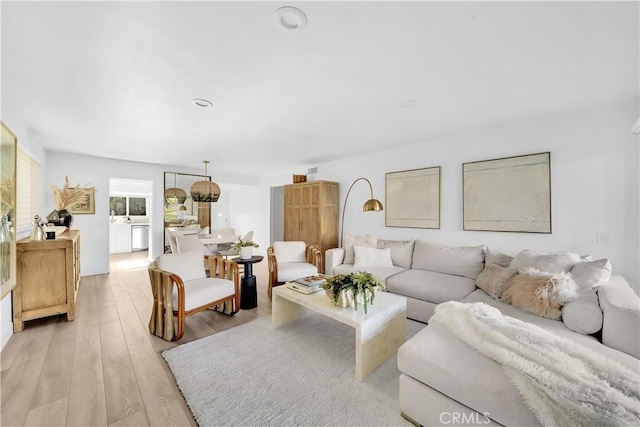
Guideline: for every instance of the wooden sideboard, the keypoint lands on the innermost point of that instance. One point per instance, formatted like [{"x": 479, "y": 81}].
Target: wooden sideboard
[{"x": 47, "y": 278}]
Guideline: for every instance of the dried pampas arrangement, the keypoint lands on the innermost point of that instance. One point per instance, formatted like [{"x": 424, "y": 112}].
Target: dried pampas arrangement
[{"x": 69, "y": 196}]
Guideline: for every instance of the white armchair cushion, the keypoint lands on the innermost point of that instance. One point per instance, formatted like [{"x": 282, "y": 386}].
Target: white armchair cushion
[
  {"x": 199, "y": 292},
  {"x": 293, "y": 251},
  {"x": 187, "y": 265},
  {"x": 289, "y": 271}
]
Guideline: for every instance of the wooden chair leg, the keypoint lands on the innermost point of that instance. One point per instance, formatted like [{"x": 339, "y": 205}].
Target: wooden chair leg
[{"x": 180, "y": 330}]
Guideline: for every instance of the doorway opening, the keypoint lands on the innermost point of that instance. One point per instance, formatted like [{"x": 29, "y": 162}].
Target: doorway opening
[{"x": 130, "y": 213}]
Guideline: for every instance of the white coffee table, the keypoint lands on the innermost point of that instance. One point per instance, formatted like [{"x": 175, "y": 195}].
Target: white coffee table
[{"x": 379, "y": 333}]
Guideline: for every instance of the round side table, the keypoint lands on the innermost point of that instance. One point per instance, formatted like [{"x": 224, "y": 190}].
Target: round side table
[{"x": 248, "y": 288}]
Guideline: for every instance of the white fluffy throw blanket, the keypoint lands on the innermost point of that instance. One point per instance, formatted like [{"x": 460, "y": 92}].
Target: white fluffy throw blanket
[{"x": 562, "y": 382}]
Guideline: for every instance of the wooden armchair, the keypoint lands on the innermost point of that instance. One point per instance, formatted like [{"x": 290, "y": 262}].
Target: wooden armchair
[
  {"x": 181, "y": 287},
  {"x": 291, "y": 260}
]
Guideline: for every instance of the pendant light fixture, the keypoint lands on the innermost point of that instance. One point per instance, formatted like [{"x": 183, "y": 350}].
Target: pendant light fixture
[
  {"x": 175, "y": 195},
  {"x": 205, "y": 191}
]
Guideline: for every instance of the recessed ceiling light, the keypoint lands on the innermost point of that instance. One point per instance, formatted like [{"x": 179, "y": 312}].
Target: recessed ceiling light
[
  {"x": 290, "y": 18},
  {"x": 202, "y": 103}
]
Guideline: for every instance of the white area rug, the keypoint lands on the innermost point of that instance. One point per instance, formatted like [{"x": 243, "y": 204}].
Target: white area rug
[{"x": 300, "y": 374}]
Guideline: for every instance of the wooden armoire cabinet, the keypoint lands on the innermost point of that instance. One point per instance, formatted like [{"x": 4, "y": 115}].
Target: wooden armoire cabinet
[
  {"x": 47, "y": 278},
  {"x": 311, "y": 213}
]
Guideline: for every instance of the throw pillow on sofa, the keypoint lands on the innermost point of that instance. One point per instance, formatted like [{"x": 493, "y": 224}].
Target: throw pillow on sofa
[
  {"x": 493, "y": 279},
  {"x": 540, "y": 293},
  {"x": 558, "y": 262},
  {"x": 351, "y": 241},
  {"x": 371, "y": 257},
  {"x": 591, "y": 274},
  {"x": 583, "y": 315},
  {"x": 401, "y": 251},
  {"x": 496, "y": 257}
]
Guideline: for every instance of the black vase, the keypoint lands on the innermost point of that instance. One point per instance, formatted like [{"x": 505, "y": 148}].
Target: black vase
[{"x": 60, "y": 218}]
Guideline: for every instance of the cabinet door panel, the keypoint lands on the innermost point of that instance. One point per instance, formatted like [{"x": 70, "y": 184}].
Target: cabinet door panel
[{"x": 45, "y": 273}]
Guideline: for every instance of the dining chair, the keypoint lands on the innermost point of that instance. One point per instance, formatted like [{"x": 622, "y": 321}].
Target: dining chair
[
  {"x": 191, "y": 242},
  {"x": 173, "y": 235},
  {"x": 230, "y": 251},
  {"x": 181, "y": 287}
]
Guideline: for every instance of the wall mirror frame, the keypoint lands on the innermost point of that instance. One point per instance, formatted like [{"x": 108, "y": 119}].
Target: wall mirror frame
[
  {"x": 8, "y": 152},
  {"x": 178, "y": 214}
]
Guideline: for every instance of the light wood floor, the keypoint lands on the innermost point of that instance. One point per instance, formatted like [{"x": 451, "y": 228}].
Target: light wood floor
[{"x": 104, "y": 368}]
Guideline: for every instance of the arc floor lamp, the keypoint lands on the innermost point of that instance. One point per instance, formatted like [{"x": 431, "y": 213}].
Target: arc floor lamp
[{"x": 370, "y": 205}]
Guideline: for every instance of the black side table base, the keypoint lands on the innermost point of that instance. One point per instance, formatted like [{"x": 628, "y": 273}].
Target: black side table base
[
  {"x": 249, "y": 293},
  {"x": 248, "y": 288}
]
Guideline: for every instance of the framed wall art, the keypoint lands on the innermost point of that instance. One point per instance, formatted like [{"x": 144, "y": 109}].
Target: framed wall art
[
  {"x": 413, "y": 198},
  {"x": 508, "y": 194},
  {"x": 87, "y": 206},
  {"x": 8, "y": 150}
]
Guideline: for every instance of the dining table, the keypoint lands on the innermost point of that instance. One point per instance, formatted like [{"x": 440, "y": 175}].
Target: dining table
[{"x": 215, "y": 239}]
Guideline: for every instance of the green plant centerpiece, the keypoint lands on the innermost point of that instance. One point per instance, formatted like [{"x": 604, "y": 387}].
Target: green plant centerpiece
[
  {"x": 248, "y": 244},
  {"x": 357, "y": 287}
]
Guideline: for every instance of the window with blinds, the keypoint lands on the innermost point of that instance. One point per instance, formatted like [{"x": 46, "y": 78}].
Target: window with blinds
[{"x": 29, "y": 191}]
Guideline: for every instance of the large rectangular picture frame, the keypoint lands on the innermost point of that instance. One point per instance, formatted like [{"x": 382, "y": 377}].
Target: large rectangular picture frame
[
  {"x": 508, "y": 194},
  {"x": 87, "y": 206},
  {"x": 8, "y": 154},
  {"x": 412, "y": 198}
]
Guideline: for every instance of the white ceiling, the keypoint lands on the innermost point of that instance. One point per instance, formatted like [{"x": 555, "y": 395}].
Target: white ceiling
[{"x": 116, "y": 79}]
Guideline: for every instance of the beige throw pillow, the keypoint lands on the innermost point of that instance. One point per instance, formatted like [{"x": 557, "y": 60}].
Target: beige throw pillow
[
  {"x": 351, "y": 241},
  {"x": 372, "y": 257},
  {"x": 493, "y": 279},
  {"x": 540, "y": 293},
  {"x": 552, "y": 262},
  {"x": 591, "y": 274},
  {"x": 494, "y": 256}
]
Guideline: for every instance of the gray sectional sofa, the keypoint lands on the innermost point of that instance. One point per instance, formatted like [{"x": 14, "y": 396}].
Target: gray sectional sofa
[{"x": 443, "y": 381}]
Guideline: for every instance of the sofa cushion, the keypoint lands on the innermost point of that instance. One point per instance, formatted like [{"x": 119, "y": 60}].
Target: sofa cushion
[
  {"x": 493, "y": 279},
  {"x": 371, "y": 257},
  {"x": 557, "y": 262},
  {"x": 437, "y": 358},
  {"x": 401, "y": 251},
  {"x": 430, "y": 285},
  {"x": 351, "y": 241},
  {"x": 440, "y": 360},
  {"x": 459, "y": 261},
  {"x": 591, "y": 274},
  {"x": 583, "y": 315},
  {"x": 494, "y": 256}
]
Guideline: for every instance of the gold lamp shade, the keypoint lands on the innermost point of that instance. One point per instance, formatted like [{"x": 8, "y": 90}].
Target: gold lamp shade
[
  {"x": 372, "y": 205},
  {"x": 205, "y": 191},
  {"x": 175, "y": 195}
]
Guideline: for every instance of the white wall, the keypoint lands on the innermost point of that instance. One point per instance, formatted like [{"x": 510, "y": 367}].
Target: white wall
[
  {"x": 594, "y": 177},
  {"x": 97, "y": 172}
]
